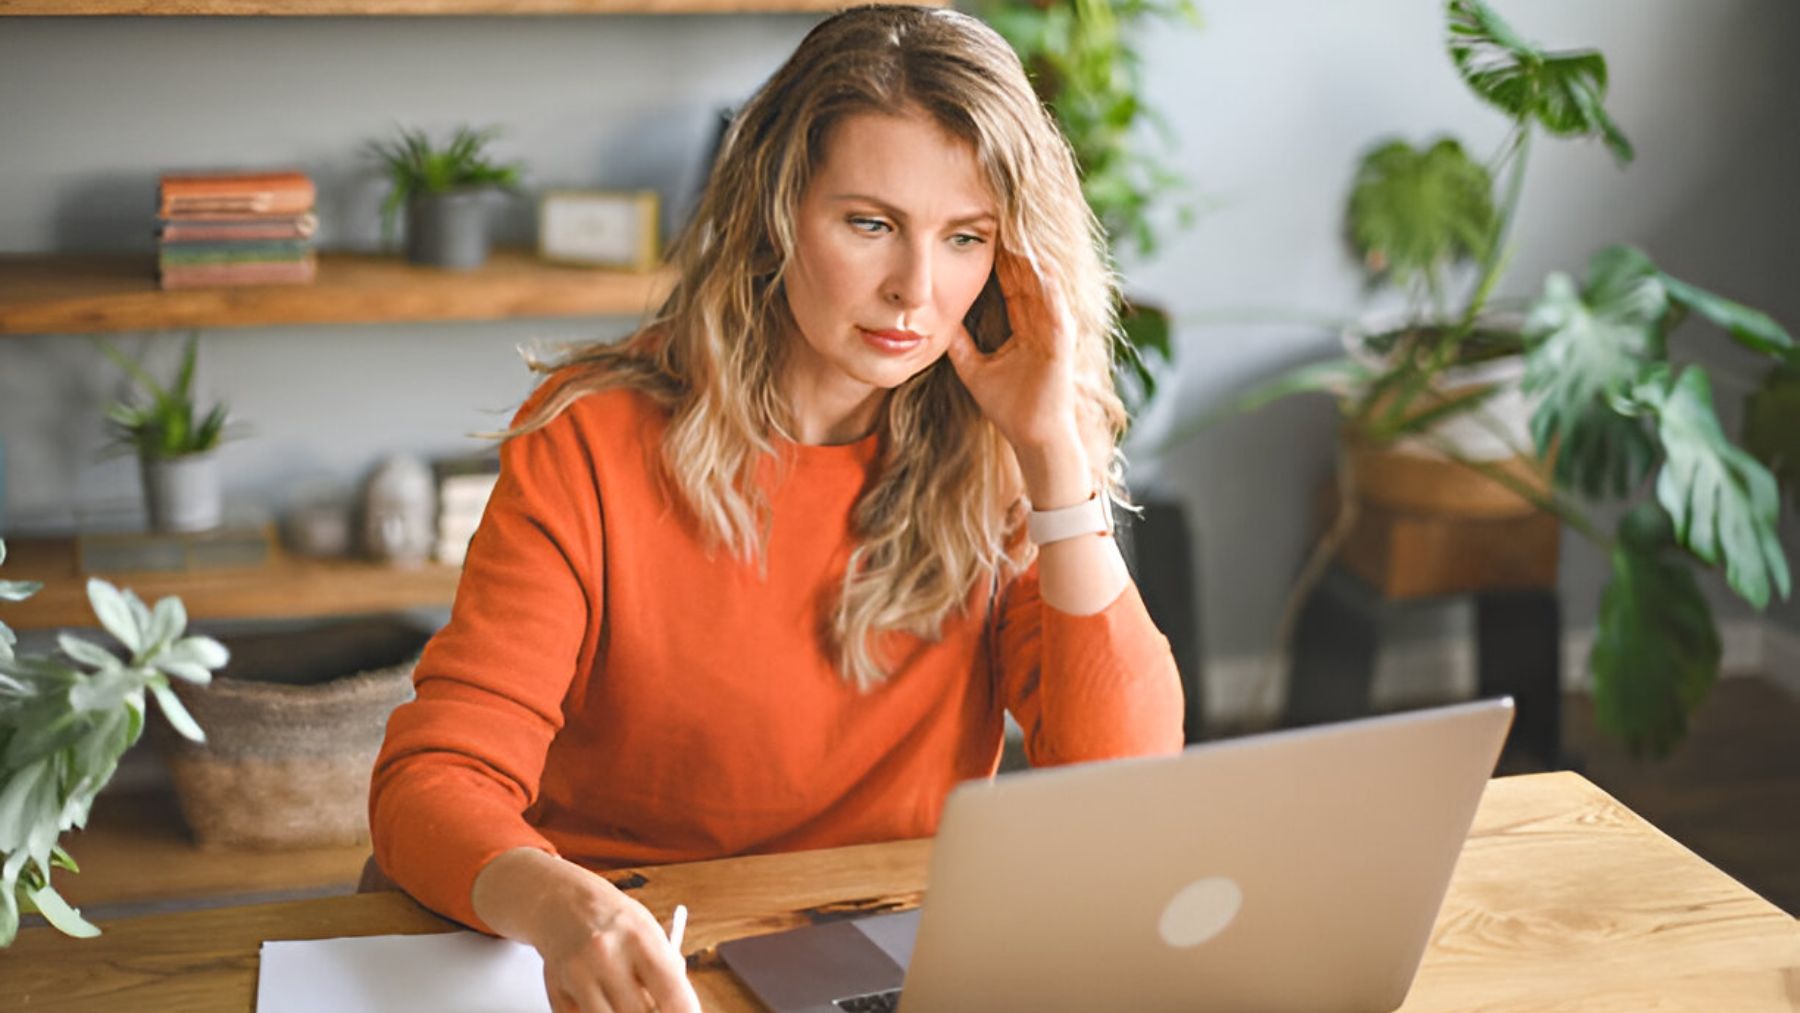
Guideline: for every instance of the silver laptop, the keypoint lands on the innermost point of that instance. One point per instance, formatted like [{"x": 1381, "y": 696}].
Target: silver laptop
[{"x": 1300, "y": 870}]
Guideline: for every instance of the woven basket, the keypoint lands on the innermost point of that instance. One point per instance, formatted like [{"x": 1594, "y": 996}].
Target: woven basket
[{"x": 283, "y": 766}]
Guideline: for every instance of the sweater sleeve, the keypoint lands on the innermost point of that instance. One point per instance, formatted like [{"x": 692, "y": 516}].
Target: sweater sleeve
[
  {"x": 1090, "y": 687},
  {"x": 461, "y": 762}
]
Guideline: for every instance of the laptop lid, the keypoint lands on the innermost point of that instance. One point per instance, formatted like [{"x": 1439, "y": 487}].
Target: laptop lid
[{"x": 1300, "y": 870}]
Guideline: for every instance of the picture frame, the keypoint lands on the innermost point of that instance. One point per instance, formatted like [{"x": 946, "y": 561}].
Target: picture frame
[{"x": 600, "y": 228}]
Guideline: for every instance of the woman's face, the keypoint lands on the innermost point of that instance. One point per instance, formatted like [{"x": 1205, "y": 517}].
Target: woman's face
[{"x": 895, "y": 237}]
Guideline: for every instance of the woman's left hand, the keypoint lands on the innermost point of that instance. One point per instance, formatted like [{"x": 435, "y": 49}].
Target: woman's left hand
[{"x": 1027, "y": 386}]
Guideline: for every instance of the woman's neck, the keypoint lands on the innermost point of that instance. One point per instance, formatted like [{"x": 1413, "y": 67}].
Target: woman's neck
[
  {"x": 830, "y": 428},
  {"x": 826, "y": 407}
]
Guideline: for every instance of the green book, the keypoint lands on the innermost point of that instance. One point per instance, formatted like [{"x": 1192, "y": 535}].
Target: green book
[{"x": 233, "y": 253}]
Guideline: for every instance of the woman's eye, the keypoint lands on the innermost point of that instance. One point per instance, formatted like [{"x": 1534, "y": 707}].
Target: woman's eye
[
  {"x": 965, "y": 240},
  {"x": 870, "y": 226}
]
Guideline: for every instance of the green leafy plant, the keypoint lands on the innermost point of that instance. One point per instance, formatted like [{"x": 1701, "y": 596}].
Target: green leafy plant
[
  {"x": 1615, "y": 416},
  {"x": 1414, "y": 214},
  {"x": 415, "y": 167},
  {"x": 66, "y": 719},
  {"x": 1769, "y": 429},
  {"x": 1085, "y": 67},
  {"x": 170, "y": 425}
]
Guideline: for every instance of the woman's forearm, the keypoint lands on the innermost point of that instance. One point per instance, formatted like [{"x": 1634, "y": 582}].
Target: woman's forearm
[
  {"x": 601, "y": 948},
  {"x": 511, "y": 892},
  {"x": 1080, "y": 575}
]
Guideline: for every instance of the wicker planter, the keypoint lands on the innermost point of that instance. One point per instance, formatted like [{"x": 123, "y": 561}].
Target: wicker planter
[{"x": 285, "y": 765}]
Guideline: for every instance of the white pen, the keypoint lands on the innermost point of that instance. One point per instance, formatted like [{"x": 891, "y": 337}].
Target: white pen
[{"x": 678, "y": 926}]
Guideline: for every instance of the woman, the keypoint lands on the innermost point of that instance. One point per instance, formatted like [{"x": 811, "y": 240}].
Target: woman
[{"x": 765, "y": 575}]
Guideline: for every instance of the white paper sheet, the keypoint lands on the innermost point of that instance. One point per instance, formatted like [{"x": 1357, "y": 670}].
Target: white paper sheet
[{"x": 451, "y": 972}]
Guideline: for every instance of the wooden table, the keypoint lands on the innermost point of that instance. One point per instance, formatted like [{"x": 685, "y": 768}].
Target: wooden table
[{"x": 1564, "y": 900}]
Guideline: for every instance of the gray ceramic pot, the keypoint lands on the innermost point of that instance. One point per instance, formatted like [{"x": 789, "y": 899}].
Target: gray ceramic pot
[
  {"x": 450, "y": 229},
  {"x": 183, "y": 493}
]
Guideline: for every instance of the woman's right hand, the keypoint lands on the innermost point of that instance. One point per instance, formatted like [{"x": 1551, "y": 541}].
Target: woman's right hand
[{"x": 603, "y": 951}]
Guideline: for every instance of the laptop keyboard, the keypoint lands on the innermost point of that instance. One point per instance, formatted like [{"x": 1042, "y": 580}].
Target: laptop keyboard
[{"x": 874, "y": 1002}]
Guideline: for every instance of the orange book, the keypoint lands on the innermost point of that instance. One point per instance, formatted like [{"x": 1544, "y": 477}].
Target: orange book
[
  {"x": 187, "y": 230},
  {"x": 217, "y": 196}
]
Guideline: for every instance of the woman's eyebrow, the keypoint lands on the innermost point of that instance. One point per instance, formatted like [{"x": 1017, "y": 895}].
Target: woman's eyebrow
[{"x": 971, "y": 218}]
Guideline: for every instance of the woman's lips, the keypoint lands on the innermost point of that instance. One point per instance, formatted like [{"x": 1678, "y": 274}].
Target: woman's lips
[{"x": 892, "y": 341}]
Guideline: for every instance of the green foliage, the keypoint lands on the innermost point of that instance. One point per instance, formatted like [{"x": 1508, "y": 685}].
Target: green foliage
[
  {"x": 1721, "y": 500},
  {"x": 66, "y": 719},
  {"x": 1656, "y": 653},
  {"x": 1337, "y": 377},
  {"x": 1413, "y": 213},
  {"x": 1772, "y": 425},
  {"x": 1753, "y": 329},
  {"x": 1562, "y": 92},
  {"x": 1147, "y": 338},
  {"x": 166, "y": 427},
  {"x": 1587, "y": 349},
  {"x": 1085, "y": 68},
  {"x": 1616, "y": 417},
  {"x": 415, "y": 167},
  {"x": 1613, "y": 410}
]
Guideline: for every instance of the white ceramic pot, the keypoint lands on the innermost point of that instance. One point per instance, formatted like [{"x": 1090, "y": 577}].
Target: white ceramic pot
[
  {"x": 183, "y": 493},
  {"x": 1493, "y": 432}
]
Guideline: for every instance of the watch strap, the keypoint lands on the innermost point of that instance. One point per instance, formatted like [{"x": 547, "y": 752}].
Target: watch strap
[{"x": 1090, "y": 517}]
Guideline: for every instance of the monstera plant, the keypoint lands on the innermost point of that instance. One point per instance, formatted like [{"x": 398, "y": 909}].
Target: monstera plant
[{"x": 1617, "y": 419}]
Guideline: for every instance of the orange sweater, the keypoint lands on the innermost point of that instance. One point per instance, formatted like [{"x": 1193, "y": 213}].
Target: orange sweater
[{"x": 610, "y": 691}]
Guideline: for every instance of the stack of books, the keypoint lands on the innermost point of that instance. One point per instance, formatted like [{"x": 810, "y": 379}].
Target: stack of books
[
  {"x": 236, "y": 229},
  {"x": 463, "y": 488}
]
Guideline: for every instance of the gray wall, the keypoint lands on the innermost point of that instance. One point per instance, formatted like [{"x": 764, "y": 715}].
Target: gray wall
[{"x": 1270, "y": 105}]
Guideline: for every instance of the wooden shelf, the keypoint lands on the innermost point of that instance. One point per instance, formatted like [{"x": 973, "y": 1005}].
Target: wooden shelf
[
  {"x": 88, "y": 293},
  {"x": 415, "y": 7},
  {"x": 137, "y": 856},
  {"x": 289, "y": 587}
]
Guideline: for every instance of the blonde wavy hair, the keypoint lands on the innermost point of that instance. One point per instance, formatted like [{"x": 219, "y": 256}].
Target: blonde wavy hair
[{"x": 943, "y": 517}]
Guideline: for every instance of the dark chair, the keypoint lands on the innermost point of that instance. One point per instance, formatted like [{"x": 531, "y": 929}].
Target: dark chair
[{"x": 374, "y": 880}]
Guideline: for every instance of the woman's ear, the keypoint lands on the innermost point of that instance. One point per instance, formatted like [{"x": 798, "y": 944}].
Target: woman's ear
[{"x": 987, "y": 320}]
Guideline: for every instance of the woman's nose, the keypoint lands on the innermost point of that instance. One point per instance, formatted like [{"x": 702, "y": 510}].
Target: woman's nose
[{"x": 908, "y": 283}]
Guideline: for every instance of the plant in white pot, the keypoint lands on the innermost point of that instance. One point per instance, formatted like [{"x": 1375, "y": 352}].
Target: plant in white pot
[
  {"x": 447, "y": 194},
  {"x": 176, "y": 445},
  {"x": 1607, "y": 414},
  {"x": 66, "y": 719}
]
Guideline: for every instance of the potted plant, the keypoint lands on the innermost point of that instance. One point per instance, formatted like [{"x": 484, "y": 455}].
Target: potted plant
[
  {"x": 1611, "y": 418},
  {"x": 175, "y": 445},
  {"x": 447, "y": 194},
  {"x": 66, "y": 719},
  {"x": 1084, "y": 66}
]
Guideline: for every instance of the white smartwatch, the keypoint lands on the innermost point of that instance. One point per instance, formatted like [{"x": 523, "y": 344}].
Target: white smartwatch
[{"x": 1091, "y": 517}]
